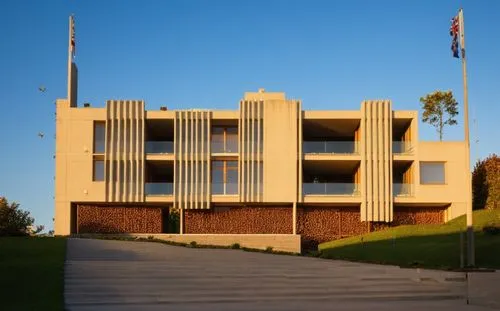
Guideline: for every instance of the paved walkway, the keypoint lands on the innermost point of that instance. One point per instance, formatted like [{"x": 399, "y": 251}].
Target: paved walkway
[{"x": 118, "y": 275}]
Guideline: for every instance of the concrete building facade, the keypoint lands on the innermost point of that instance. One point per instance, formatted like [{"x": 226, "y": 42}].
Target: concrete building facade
[{"x": 267, "y": 168}]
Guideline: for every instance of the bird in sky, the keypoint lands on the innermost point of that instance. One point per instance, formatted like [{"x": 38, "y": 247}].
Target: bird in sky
[
  {"x": 40, "y": 134},
  {"x": 42, "y": 88}
]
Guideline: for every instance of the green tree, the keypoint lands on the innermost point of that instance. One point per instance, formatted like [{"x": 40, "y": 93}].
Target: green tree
[
  {"x": 440, "y": 109},
  {"x": 13, "y": 220},
  {"x": 486, "y": 183}
]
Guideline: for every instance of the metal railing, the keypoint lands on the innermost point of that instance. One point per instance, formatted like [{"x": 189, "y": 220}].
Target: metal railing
[
  {"x": 400, "y": 189},
  {"x": 401, "y": 147},
  {"x": 159, "y": 147},
  {"x": 330, "y": 188},
  {"x": 343, "y": 147},
  {"x": 159, "y": 188}
]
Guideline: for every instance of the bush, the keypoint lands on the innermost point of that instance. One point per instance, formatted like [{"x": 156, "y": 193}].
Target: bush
[
  {"x": 486, "y": 183},
  {"x": 173, "y": 220},
  {"x": 269, "y": 249},
  {"x": 193, "y": 244},
  {"x": 235, "y": 246},
  {"x": 492, "y": 229},
  {"x": 13, "y": 220}
]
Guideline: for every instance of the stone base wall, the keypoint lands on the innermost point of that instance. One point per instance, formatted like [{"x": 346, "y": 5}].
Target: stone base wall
[
  {"x": 239, "y": 220},
  {"x": 117, "y": 219},
  {"x": 321, "y": 224},
  {"x": 418, "y": 215}
]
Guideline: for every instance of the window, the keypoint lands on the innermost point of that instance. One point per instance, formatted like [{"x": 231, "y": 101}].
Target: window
[
  {"x": 224, "y": 177},
  {"x": 99, "y": 137},
  {"x": 98, "y": 170},
  {"x": 224, "y": 140},
  {"x": 432, "y": 173}
]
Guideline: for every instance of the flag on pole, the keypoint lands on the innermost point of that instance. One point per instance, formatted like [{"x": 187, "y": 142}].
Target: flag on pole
[
  {"x": 454, "y": 30},
  {"x": 73, "y": 42},
  {"x": 461, "y": 31}
]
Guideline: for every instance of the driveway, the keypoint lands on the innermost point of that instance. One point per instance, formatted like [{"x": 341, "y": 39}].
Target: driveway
[{"x": 119, "y": 275}]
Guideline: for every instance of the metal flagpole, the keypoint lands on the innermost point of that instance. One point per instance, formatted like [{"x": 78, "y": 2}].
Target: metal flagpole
[{"x": 470, "y": 230}]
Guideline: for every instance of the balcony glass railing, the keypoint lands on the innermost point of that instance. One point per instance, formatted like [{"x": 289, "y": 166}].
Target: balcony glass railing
[
  {"x": 402, "y": 189},
  {"x": 401, "y": 147},
  {"x": 221, "y": 147},
  {"x": 330, "y": 188},
  {"x": 159, "y": 188},
  {"x": 225, "y": 188},
  {"x": 344, "y": 147},
  {"x": 159, "y": 147}
]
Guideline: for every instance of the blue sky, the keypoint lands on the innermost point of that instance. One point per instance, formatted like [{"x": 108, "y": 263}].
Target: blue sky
[{"x": 206, "y": 54}]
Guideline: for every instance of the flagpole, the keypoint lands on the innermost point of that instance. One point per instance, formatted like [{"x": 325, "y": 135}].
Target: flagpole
[
  {"x": 470, "y": 230},
  {"x": 70, "y": 60}
]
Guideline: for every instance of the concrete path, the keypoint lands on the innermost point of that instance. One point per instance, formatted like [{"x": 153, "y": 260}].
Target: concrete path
[{"x": 118, "y": 275}]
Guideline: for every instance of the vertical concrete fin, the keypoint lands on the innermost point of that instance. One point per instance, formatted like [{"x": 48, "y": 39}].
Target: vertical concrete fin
[
  {"x": 192, "y": 159},
  {"x": 124, "y": 154},
  {"x": 376, "y": 161}
]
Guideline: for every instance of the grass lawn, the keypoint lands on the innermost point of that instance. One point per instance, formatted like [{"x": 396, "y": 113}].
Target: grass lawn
[
  {"x": 431, "y": 246},
  {"x": 32, "y": 273}
]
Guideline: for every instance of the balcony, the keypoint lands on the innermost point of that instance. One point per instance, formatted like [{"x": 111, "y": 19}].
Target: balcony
[
  {"x": 349, "y": 189},
  {"x": 227, "y": 147},
  {"x": 402, "y": 147},
  {"x": 225, "y": 188},
  {"x": 339, "y": 147},
  {"x": 402, "y": 190},
  {"x": 159, "y": 147},
  {"x": 159, "y": 188}
]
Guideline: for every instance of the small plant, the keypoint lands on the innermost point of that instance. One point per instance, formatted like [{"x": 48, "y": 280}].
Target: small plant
[
  {"x": 150, "y": 237},
  {"x": 193, "y": 244},
  {"x": 235, "y": 246},
  {"x": 269, "y": 249},
  {"x": 414, "y": 264},
  {"x": 492, "y": 229}
]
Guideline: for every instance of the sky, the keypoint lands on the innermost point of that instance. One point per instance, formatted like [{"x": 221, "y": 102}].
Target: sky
[{"x": 205, "y": 54}]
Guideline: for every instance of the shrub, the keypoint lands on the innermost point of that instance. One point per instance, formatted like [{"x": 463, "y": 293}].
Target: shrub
[
  {"x": 193, "y": 244},
  {"x": 13, "y": 220},
  {"x": 486, "y": 183},
  {"x": 269, "y": 249},
  {"x": 235, "y": 246},
  {"x": 173, "y": 220},
  {"x": 492, "y": 229}
]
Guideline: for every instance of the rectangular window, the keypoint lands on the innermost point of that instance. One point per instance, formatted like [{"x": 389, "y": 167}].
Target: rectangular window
[
  {"x": 98, "y": 170},
  {"x": 99, "y": 137},
  {"x": 224, "y": 177},
  {"x": 224, "y": 140},
  {"x": 432, "y": 173}
]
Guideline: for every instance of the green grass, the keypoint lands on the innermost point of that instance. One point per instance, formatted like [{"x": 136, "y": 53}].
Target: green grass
[
  {"x": 431, "y": 246},
  {"x": 32, "y": 273}
]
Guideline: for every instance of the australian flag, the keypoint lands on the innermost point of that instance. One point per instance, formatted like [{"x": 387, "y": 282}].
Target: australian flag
[{"x": 454, "y": 34}]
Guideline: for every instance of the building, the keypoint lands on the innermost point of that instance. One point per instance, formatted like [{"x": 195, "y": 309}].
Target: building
[{"x": 266, "y": 174}]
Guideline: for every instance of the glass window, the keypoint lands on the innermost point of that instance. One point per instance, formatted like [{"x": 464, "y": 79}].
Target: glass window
[
  {"x": 98, "y": 169},
  {"x": 224, "y": 140},
  {"x": 99, "y": 137},
  {"x": 432, "y": 173},
  {"x": 224, "y": 177}
]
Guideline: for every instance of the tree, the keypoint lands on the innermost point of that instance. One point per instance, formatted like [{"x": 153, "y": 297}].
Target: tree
[
  {"x": 440, "y": 109},
  {"x": 486, "y": 183},
  {"x": 13, "y": 220}
]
